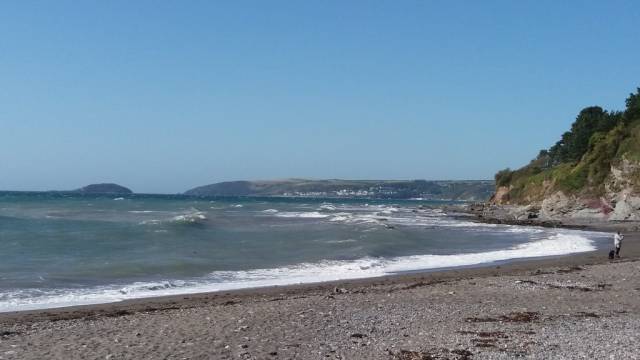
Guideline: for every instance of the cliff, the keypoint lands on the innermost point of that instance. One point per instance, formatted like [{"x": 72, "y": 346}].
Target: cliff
[{"x": 592, "y": 172}]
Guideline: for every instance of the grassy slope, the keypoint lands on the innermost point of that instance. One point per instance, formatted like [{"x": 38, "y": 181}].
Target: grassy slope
[{"x": 585, "y": 178}]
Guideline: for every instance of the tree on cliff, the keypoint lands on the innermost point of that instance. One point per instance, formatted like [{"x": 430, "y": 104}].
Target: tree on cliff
[{"x": 575, "y": 143}]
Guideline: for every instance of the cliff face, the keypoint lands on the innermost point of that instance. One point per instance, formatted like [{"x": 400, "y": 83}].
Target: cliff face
[
  {"x": 619, "y": 201},
  {"x": 593, "y": 172}
]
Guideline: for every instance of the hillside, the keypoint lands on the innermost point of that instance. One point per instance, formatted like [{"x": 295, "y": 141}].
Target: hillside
[
  {"x": 472, "y": 190},
  {"x": 593, "y": 171}
]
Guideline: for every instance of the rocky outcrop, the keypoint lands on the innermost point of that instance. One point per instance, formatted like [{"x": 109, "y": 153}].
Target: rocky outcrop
[
  {"x": 619, "y": 202},
  {"x": 623, "y": 191},
  {"x": 561, "y": 206}
]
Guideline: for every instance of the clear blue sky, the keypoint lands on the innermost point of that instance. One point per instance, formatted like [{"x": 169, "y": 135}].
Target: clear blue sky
[{"x": 162, "y": 96}]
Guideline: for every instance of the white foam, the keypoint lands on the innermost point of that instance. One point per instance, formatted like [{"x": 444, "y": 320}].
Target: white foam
[
  {"x": 523, "y": 230},
  {"x": 558, "y": 244},
  {"x": 303, "y": 215},
  {"x": 341, "y": 241},
  {"x": 327, "y": 207},
  {"x": 389, "y": 210},
  {"x": 561, "y": 243},
  {"x": 119, "y": 198},
  {"x": 191, "y": 218},
  {"x": 341, "y": 217},
  {"x": 151, "y": 222},
  {"x": 270, "y": 211}
]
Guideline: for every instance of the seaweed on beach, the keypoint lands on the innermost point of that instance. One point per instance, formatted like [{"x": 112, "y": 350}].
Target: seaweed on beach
[
  {"x": 524, "y": 316},
  {"x": 8, "y": 333},
  {"x": 570, "y": 270},
  {"x": 422, "y": 283},
  {"x": 118, "y": 313},
  {"x": 584, "y": 314},
  {"x": 412, "y": 355},
  {"x": 231, "y": 302},
  {"x": 570, "y": 287},
  {"x": 490, "y": 342},
  {"x": 519, "y": 317},
  {"x": 485, "y": 334},
  {"x": 481, "y": 319},
  {"x": 434, "y": 354}
]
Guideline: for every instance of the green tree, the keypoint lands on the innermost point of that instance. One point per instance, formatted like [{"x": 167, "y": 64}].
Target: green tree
[{"x": 632, "y": 112}]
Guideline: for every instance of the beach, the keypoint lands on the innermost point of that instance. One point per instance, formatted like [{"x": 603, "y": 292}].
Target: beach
[
  {"x": 319, "y": 180},
  {"x": 576, "y": 306}
]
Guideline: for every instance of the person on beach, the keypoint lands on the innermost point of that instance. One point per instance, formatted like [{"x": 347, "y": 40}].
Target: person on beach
[{"x": 617, "y": 242}]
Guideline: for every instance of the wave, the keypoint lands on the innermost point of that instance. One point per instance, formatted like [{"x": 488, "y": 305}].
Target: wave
[
  {"x": 189, "y": 218},
  {"x": 389, "y": 210},
  {"x": 195, "y": 216},
  {"x": 349, "y": 218},
  {"x": 561, "y": 243},
  {"x": 327, "y": 207},
  {"x": 151, "y": 222},
  {"x": 303, "y": 215},
  {"x": 341, "y": 241}
]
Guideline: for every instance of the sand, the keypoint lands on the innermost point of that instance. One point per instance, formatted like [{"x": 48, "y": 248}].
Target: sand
[{"x": 572, "y": 307}]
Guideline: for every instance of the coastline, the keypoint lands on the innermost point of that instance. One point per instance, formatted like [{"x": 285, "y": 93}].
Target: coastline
[
  {"x": 355, "y": 296},
  {"x": 501, "y": 268},
  {"x": 495, "y": 268}
]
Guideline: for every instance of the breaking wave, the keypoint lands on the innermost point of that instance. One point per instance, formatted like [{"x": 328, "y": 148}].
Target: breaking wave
[
  {"x": 303, "y": 215},
  {"x": 194, "y": 216},
  {"x": 190, "y": 218},
  {"x": 561, "y": 243}
]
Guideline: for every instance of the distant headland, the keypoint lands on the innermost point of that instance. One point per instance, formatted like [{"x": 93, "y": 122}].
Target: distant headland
[
  {"x": 467, "y": 190},
  {"x": 105, "y": 188},
  {"x": 438, "y": 190}
]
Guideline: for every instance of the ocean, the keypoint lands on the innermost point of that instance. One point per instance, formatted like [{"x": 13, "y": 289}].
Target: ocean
[{"x": 60, "y": 249}]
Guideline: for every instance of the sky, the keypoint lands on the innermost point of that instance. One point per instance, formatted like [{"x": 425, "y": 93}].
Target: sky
[{"x": 162, "y": 96}]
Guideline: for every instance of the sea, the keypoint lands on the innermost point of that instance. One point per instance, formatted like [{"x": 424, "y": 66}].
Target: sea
[{"x": 62, "y": 249}]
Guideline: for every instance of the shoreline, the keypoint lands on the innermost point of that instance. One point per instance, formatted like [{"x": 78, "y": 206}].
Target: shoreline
[
  {"x": 497, "y": 268},
  {"x": 562, "y": 307}
]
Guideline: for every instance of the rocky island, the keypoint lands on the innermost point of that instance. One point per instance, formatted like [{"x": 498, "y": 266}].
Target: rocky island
[{"x": 106, "y": 188}]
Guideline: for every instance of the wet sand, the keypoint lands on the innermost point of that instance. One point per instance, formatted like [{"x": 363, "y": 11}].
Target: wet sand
[{"x": 574, "y": 306}]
